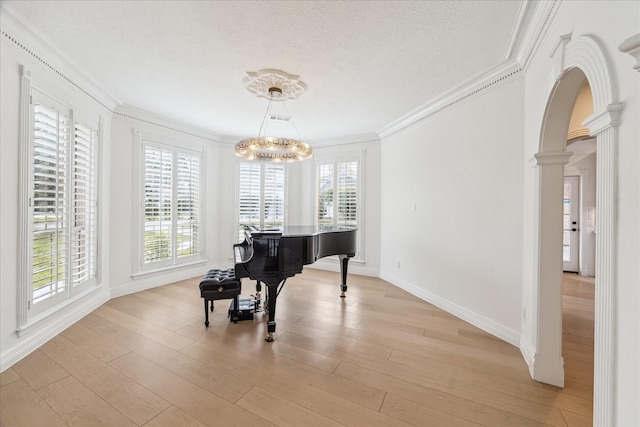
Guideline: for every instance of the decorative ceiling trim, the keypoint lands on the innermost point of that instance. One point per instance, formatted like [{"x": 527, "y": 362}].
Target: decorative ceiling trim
[
  {"x": 127, "y": 112},
  {"x": 501, "y": 74},
  {"x": 23, "y": 40},
  {"x": 535, "y": 30},
  {"x": 260, "y": 83},
  {"x": 47, "y": 64}
]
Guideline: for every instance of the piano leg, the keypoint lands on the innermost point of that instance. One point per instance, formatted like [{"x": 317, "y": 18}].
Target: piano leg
[
  {"x": 272, "y": 295},
  {"x": 344, "y": 263}
]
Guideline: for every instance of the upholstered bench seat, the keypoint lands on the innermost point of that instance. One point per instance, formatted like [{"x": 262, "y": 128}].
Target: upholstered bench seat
[{"x": 219, "y": 284}]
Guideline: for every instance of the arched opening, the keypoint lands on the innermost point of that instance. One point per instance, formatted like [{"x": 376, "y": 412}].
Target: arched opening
[{"x": 576, "y": 61}]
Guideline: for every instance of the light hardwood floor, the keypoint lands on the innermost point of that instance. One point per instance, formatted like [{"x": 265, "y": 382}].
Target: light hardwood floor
[{"x": 379, "y": 357}]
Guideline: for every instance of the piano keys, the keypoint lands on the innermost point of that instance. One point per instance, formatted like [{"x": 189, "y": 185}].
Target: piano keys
[{"x": 272, "y": 256}]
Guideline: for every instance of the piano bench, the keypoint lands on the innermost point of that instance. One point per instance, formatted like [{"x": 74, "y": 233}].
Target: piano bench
[{"x": 219, "y": 284}]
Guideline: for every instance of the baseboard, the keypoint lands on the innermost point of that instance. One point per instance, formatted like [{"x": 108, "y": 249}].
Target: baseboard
[
  {"x": 354, "y": 267},
  {"x": 159, "y": 279},
  {"x": 54, "y": 325},
  {"x": 528, "y": 353},
  {"x": 549, "y": 370},
  {"x": 482, "y": 322}
]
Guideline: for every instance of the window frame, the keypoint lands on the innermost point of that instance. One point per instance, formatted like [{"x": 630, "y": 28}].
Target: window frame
[
  {"x": 176, "y": 146},
  {"x": 336, "y": 158},
  {"x": 72, "y": 286}
]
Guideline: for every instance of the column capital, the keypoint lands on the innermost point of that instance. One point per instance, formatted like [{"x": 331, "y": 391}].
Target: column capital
[
  {"x": 602, "y": 120},
  {"x": 552, "y": 158}
]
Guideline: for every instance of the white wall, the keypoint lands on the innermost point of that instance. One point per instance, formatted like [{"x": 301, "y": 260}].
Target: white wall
[{"x": 451, "y": 209}]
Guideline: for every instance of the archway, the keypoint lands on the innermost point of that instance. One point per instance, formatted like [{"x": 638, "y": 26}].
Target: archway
[{"x": 576, "y": 60}]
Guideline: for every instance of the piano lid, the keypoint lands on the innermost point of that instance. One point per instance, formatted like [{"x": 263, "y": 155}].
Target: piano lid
[{"x": 304, "y": 230}]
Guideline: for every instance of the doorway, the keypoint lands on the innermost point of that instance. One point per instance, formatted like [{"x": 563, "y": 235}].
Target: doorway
[{"x": 570, "y": 218}]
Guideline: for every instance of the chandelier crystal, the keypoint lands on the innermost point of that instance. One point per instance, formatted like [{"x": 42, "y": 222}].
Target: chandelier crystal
[{"x": 271, "y": 148}]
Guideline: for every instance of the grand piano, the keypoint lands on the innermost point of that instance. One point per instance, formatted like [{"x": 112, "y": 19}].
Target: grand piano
[{"x": 272, "y": 256}]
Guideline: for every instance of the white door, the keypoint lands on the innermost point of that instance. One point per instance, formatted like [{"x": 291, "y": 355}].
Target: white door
[{"x": 570, "y": 221}]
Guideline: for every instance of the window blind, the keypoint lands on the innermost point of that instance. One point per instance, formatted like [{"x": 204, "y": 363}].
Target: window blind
[
  {"x": 172, "y": 204},
  {"x": 85, "y": 204},
  {"x": 347, "y": 194},
  {"x": 273, "y": 209},
  {"x": 188, "y": 205},
  {"x": 158, "y": 190},
  {"x": 325, "y": 194},
  {"x": 49, "y": 203},
  {"x": 261, "y": 195}
]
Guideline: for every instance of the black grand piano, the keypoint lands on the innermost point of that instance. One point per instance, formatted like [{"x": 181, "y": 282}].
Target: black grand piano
[{"x": 272, "y": 256}]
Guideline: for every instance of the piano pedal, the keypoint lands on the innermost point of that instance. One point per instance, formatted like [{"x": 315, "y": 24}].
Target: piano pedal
[
  {"x": 245, "y": 310},
  {"x": 256, "y": 298}
]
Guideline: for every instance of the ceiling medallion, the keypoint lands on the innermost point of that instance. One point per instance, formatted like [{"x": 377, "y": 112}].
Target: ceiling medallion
[
  {"x": 260, "y": 83},
  {"x": 270, "y": 148}
]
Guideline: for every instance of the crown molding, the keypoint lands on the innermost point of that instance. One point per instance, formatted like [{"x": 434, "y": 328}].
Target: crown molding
[
  {"x": 128, "y": 112},
  {"x": 364, "y": 138},
  {"x": 519, "y": 28},
  {"x": 537, "y": 18},
  {"x": 532, "y": 24},
  {"x": 19, "y": 36},
  {"x": 497, "y": 76}
]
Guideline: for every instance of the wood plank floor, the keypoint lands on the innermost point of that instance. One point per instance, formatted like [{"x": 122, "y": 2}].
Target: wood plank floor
[{"x": 380, "y": 357}]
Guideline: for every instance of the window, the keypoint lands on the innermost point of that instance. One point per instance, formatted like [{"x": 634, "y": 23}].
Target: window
[
  {"x": 338, "y": 195},
  {"x": 338, "y": 189},
  {"x": 171, "y": 229},
  {"x": 62, "y": 203},
  {"x": 262, "y": 195}
]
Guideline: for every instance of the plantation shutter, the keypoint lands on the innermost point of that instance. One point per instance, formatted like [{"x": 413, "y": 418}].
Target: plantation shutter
[
  {"x": 158, "y": 195},
  {"x": 249, "y": 182},
  {"x": 50, "y": 202},
  {"x": 85, "y": 205},
  {"x": 273, "y": 196},
  {"x": 325, "y": 194},
  {"x": 347, "y": 194},
  {"x": 337, "y": 194},
  {"x": 261, "y": 196},
  {"x": 188, "y": 206}
]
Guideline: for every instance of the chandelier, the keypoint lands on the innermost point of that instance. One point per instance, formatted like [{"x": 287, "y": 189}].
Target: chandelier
[{"x": 271, "y": 148}]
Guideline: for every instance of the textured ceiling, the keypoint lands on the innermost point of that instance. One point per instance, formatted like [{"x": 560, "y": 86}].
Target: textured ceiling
[{"x": 365, "y": 63}]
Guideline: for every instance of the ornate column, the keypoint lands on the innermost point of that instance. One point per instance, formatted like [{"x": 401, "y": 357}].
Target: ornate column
[
  {"x": 548, "y": 364},
  {"x": 603, "y": 125},
  {"x": 24, "y": 256}
]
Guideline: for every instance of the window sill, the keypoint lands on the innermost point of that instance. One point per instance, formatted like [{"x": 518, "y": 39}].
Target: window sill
[
  {"x": 44, "y": 318},
  {"x": 151, "y": 272}
]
